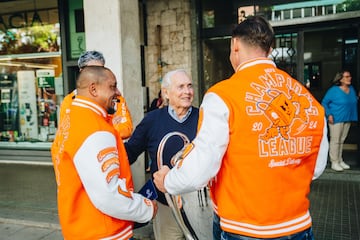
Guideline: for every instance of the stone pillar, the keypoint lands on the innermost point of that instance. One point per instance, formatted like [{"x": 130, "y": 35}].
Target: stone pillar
[
  {"x": 170, "y": 36},
  {"x": 112, "y": 27}
]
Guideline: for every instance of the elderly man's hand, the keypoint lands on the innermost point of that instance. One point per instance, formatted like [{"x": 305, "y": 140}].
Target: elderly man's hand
[{"x": 159, "y": 177}]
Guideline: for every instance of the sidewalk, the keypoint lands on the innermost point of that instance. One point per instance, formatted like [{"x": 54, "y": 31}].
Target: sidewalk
[
  {"x": 28, "y": 204},
  {"x": 28, "y": 207},
  {"x": 15, "y": 229}
]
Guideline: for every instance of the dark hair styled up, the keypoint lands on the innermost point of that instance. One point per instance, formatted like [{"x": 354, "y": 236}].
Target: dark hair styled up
[{"x": 255, "y": 31}]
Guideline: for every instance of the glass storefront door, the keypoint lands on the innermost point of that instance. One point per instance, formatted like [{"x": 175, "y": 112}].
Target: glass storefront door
[
  {"x": 216, "y": 60},
  {"x": 327, "y": 52}
]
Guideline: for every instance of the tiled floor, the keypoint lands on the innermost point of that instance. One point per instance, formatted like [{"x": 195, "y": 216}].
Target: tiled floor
[
  {"x": 28, "y": 193},
  {"x": 335, "y": 209}
]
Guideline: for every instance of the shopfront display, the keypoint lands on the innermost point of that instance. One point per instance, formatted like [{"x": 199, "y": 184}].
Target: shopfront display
[
  {"x": 8, "y": 107},
  {"x": 46, "y": 104},
  {"x": 28, "y": 124},
  {"x": 30, "y": 72},
  {"x": 29, "y": 104}
]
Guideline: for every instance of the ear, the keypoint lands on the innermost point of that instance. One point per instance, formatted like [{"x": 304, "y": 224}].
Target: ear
[
  {"x": 92, "y": 89},
  {"x": 164, "y": 93},
  {"x": 235, "y": 44}
]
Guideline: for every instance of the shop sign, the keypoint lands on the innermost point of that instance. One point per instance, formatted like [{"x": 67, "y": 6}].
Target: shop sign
[
  {"x": 5, "y": 95},
  {"x": 46, "y": 82},
  {"x": 46, "y": 78},
  {"x": 76, "y": 28},
  {"x": 20, "y": 20}
]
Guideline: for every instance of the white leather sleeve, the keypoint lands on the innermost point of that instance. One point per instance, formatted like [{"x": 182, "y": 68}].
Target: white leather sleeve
[
  {"x": 103, "y": 194},
  {"x": 322, "y": 154},
  {"x": 204, "y": 160}
]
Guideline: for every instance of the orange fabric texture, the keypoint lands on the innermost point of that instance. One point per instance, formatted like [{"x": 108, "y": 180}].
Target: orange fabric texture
[
  {"x": 121, "y": 119},
  {"x": 79, "y": 218},
  {"x": 276, "y": 127},
  {"x": 65, "y": 105}
]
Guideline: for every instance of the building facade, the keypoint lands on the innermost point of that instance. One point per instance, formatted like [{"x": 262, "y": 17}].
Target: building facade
[{"x": 40, "y": 42}]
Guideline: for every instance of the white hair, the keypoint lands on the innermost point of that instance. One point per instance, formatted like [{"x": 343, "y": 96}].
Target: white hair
[{"x": 166, "y": 81}]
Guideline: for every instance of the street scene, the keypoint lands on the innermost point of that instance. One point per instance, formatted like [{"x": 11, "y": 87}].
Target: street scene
[
  {"x": 237, "y": 108},
  {"x": 28, "y": 208}
]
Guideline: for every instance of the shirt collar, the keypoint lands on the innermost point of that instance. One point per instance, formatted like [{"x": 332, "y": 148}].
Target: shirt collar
[
  {"x": 255, "y": 61},
  {"x": 173, "y": 114}
]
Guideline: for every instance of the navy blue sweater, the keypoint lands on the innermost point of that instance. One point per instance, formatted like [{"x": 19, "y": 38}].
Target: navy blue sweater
[{"x": 150, "y": 131}]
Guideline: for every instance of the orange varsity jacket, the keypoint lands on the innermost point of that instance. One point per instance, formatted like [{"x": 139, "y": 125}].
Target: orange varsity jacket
[
  {"x": 95, "y": 188},
  {"x": 275, "y": 130}
]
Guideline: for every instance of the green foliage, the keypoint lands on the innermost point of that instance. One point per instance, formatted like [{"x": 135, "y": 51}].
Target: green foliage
[
  {"x": 38, "y": 38},
  {"x": 348, "y": 6}
]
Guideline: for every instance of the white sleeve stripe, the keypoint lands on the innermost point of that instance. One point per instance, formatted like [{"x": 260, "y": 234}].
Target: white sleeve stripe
[
  {"x": 204, "y": 160},
  {"x": 105, "y": 195}
]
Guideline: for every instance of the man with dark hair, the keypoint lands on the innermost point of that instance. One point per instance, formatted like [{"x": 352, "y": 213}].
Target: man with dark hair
[{"x": 262, "y": 138}]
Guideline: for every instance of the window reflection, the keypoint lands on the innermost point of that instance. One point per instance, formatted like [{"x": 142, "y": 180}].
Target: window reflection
[
  {"x": 214, "y": 12},
  {"x": 29, "y": 92},
  {"x": 31, "y": 85}
]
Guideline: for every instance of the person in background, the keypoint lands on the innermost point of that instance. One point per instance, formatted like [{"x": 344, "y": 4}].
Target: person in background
[
  {"x": 261, "y": 140},
  {"x": 93, "y": 175},
  {"x": 121, "y": 117},
  {"x": 157, "y": 102},
  {"x": 91, "y": 58},
  {"x": 340, "y": 103},
  {"x": 242, "y": 16},
  {"x": 178, "y": 115}
]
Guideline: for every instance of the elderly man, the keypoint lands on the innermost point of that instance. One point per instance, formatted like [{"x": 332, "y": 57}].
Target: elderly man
[
  {"x": 179, "y": 115},
  {"x": 95, "y": 188}
]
